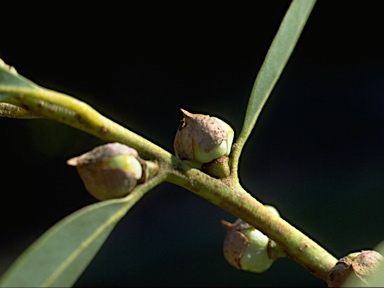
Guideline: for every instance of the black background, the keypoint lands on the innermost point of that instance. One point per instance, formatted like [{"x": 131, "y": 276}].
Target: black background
[{"x": 316, "y": 152}]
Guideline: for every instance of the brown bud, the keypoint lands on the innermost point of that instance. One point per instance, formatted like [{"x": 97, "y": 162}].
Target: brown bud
[
  {"x": 247, "y": 248},
  {"x": 354, "y": 268},
  {"x": 202, "y": 138},
  {"x": 109, "y": 171},
  {"x": 366, "y": 262},
  {"x": 235, "y": 242}
]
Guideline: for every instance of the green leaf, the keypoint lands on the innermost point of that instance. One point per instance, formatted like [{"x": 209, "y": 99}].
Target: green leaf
[
  {"x": 9, "y": 77},
  {"x": 60, "y": 255},
  {"x": 275, "y": 61}
]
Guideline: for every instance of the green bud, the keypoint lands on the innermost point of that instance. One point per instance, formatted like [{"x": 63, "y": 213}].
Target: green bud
[
  {"x": 247, "y": 248},
  {"x": 255, "y": 256},
  {"x": 201, "y": 139},
  {"x": 109, "y": 171}
]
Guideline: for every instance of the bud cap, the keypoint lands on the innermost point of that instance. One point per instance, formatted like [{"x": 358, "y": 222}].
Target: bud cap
[
  {"x": 108, "y": 171},
  {"x": 245, "y": 247},
  {"x": 202, "y": 138}
]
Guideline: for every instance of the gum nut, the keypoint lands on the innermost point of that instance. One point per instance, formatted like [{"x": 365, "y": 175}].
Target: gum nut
[
  {"x": 339, "y": 273},
  {"x": 366, "y": 262},
  {"x": 355, "y": 269},
  {"x": 101, "y": 152},
  {"x": 106, "y": 173},
  {"x": 255, "y": 257},
  {"x": 234, "y": 242},
  {"x": 202, "y": 138},
  {"x": 245, "y": 247}
]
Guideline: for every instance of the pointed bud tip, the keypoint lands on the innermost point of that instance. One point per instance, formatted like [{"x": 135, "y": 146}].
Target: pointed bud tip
[
  {"x": 227, "y": 225},
  {"x": 186, "y": 114},
  {"x": 73, "y": 161}
]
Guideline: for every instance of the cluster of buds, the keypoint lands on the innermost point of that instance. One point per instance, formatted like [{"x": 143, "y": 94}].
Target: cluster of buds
[
  {"x": 112, "y": 170},
  {"x": 204, "y": 142},
  {"x": 247, "y": 248}
]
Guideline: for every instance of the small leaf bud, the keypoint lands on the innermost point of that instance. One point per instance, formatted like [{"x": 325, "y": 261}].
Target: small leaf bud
[
  {"x": 109, "y": 171},
  {"x": 201, "y": 139},
  {"x": 218, "y": 168}
]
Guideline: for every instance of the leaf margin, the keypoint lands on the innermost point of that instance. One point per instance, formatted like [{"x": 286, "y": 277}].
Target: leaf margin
[{"x": 26, "y": 266}]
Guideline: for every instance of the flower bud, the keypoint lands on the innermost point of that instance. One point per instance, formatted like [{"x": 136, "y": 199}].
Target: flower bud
[
  {"x": 201, "y": 139},
  {"x": 109, "y": 171},
  {"x": 247, "y": 248},
  {"x": 354, "y": 268}
]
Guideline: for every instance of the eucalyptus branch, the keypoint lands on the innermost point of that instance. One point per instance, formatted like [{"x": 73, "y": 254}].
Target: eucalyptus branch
[
  {"x": 21, "y": 98},
  {"x": 227, "y": 194},
  {"x": 68, "y": 110},
  {"x": 233, "y": 198}
]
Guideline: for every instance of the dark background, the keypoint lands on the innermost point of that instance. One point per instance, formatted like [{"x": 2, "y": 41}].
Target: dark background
[{"x": 316, "y": 152}]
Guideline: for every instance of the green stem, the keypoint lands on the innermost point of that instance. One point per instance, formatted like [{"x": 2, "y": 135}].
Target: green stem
[
  {"x": 234, "y": 199},
  {"x": 274, "y": 63},
  {"x": 68, "y": 110},
  {"x": 227, "y": 194},
  {"x": 14, "y": 111}
]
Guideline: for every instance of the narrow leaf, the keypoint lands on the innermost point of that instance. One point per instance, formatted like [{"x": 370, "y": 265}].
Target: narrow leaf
[
  {"x": 60, "y": 255},
  {"x": 275, "y": 61},
  {"x": 9, "y": 77}
]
